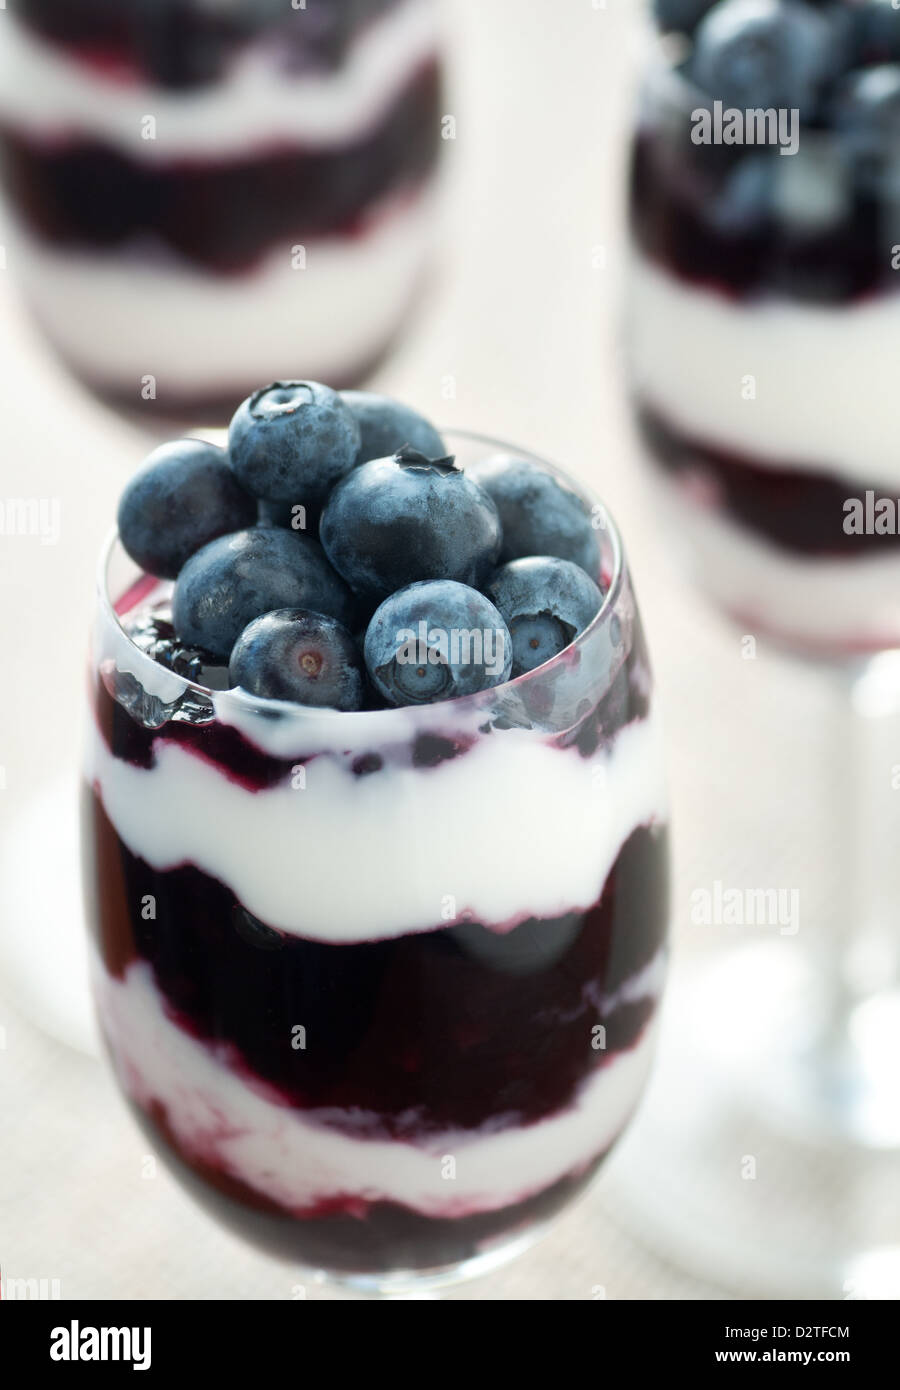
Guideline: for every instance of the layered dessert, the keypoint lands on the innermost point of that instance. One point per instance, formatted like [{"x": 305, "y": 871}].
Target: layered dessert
[
  {"x": 765, "y": 193},
  {"x": 379, "y": 909},
  {"x": 221, "y": 188}
]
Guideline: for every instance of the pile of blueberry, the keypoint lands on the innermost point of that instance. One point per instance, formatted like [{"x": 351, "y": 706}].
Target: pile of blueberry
[
  {"x": 333, "y": 555},
  {"x": 836, "y": 61}
]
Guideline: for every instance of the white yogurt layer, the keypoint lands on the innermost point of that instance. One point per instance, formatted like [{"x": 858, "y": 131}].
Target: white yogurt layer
[
  {"x": 825, "y": 378},
  {"x": 851, "y": 603},
  {"x": 51, "y": 96},
  {"x": 513, "y": 828},
  {"x": 120, "y": 317},
  {"x": 293, "y": 1157}
]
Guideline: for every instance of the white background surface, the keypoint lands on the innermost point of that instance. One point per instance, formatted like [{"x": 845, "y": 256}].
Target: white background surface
[{"x": 525, "y": 321}]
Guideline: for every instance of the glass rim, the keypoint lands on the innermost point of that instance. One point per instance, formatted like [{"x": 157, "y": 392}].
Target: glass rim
[{"x": 247, "y": 702}]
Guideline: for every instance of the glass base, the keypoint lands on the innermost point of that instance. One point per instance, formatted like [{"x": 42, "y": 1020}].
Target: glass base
[
  {"x": 427, "y": 1283},
  {"x": 764, "y": 1159}
]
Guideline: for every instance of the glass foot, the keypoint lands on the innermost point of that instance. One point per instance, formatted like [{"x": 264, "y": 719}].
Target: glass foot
[{"x": 764, "y": 1159}]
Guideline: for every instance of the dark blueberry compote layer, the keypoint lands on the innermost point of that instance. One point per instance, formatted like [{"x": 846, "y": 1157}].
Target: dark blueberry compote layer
[
  {"x": 224, "y": 215},
  {"x": 181, "y": 44},
  {"x": 138, "y": 740},
  {"x": 801, "y": 511},
  {"x": 680, "y": 218}
]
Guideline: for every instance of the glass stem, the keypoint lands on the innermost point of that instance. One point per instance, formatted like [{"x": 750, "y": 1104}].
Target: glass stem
[
  {"x": 872, "y": 955},
  {"x": 859, "y": 962}
]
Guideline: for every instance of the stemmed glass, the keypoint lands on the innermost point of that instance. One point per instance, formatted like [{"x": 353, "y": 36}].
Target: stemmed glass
[
  {"x": 761, "y": 312},
  {"x": 380, "y": 987}
]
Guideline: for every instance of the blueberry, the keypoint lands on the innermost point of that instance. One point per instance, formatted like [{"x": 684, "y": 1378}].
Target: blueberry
[
  {"x": 812, "y": 193},
  {"x": 546, "y": 602},
  {"x": 866, "y": 114},
  {"x": 293, "y": 654},
  {"x": 745, "y": 200},
  {"x": 396, "y": 520},
  {"x": 176, "y": 47},
  {"x": 155, "y": 635},
  {"x": 237, "y": 578},
  {"x": 386, "y": 425},
  {"x": 681, "y": 16},
  {"x": 435, "y": 640},
  {"x": 762, "y": 53},
  {"x": 538, "y": 514},
  {"x": 875, "y": 33},
  {"x": 291, "y": 441},
  {"x": 321, "y": 37},
  {"x": 183, "y": 497}
]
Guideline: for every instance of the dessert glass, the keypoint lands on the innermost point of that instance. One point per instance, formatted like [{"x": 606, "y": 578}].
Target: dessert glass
[
  {"x": 763, "y": 306},
  {"x": 380, "y": 987},
  {"x": 227, "y": 193},
  {"x": 762, "y": 309}
]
